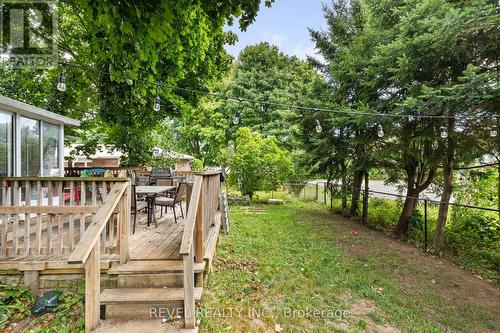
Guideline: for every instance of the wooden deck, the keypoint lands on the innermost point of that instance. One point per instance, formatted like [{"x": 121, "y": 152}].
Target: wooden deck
[
  {"x": 162, "y": 243},
  {"x": 148, "y": 243}
]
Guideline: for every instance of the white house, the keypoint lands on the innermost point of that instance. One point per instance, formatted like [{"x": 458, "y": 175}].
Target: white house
[{"x": 31, "y": 140}]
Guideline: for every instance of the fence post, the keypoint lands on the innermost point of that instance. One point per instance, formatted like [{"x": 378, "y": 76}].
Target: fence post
[
  {"x": 425, "y": 225},
  {"x": 317, "y": 191}
]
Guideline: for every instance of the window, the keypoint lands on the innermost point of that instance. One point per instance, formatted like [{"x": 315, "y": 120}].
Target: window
[
  {"x": 5, "y": 144},
  {"x": 30, "y": 147},
  {"x": 50, "y": 145}
]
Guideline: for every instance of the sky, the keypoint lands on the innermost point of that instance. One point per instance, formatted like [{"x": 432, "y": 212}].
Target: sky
[{"x": 284, "y": 25}]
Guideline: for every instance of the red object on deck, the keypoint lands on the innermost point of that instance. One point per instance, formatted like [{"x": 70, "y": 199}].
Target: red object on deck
[{"x": 67, "y": 195}]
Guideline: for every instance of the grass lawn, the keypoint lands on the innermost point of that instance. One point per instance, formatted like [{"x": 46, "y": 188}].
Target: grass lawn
[{"x": 278, "y": 262}]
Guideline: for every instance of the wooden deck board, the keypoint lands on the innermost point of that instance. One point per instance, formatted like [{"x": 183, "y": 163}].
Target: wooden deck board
[{"x": 160, "y": 243}]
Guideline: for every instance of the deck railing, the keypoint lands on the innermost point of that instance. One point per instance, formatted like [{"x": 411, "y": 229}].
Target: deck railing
[
  {"x": 188, "y": 175},
  {"x": 77, "y": 171},
  {"x": 48, "y": 216},
  {"x": 87, "y": 251},
  {"x": 203, "y": 207}
]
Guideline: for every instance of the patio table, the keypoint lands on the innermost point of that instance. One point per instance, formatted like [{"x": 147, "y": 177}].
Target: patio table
[{"x": 151, "y": 191}]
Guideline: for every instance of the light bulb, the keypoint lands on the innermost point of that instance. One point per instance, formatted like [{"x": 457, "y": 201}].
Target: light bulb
[
  {"x": 236, "y": 118},
  {"x": 494, "y": 131},
  {"x": 380, "y": 131},
  {"x": 157, "y": 104},
  {"x": 318, "y": 127},
  {"x": 444, "y": 133},
  {"x": 61, "y": 85}
]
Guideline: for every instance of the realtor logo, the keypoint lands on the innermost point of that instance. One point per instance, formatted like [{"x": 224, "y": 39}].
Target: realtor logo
[{"x": 28, "y": 31}]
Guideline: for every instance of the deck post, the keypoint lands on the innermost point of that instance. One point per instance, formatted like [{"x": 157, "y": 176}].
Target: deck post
[
  {"x": 92, "y": 289},
  {"x": 200, "y": 224},
  {"x": 189, "y": 302},
  {"x": 124, "y": 226}
]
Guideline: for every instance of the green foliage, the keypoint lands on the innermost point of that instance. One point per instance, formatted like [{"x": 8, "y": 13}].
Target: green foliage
[
  {"x": 394, "y": 57},
  {"x": 257, "y": 163},
  {"x": 14, "y": 303},
  {"x": 118, "y": 51},
  {"x": 197, "y": 165},
  {"x": 474, "y": 235}
]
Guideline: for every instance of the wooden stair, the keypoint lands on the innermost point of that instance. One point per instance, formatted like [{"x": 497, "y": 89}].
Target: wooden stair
[
  {"x": 147, "y": 289},
  {"x": 145, "y": 295},
  {"x": 153, "y": 266}
]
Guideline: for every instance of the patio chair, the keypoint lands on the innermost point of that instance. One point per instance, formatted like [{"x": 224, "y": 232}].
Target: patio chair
[
  {"x": 166, "y": 182},
  {"x": 166, "y": 202},
  {"x": 136, "y": 206}
]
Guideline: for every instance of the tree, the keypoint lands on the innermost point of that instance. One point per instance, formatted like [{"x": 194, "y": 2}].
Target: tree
[
  {"x": 346, "y": 148},
  {"x": 257, "y": 163},
  {"x": 121, "y": 50},
  {"x": 263, "y": 73}
]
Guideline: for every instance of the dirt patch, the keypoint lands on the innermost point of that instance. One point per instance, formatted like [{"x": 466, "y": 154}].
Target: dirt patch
[
  {"x": 244, "y": 265},
  {"x": 418, "y": 270}
]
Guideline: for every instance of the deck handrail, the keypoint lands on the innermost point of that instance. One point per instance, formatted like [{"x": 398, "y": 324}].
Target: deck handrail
[
  {"x": 93, "y": 232},
  {"x": 188, "y": 233},
  {"x": 87, "y": 252},
  {"x": 201, "y": 212}
]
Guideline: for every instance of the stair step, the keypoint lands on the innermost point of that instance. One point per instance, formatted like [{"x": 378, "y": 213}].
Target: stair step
[
  {"x": 156, "y": 280},
  {"x": 145, "y": 295},
  {"x": 153, "y": 266}
]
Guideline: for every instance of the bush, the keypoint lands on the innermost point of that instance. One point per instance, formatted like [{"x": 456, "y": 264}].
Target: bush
[{"x": 474, "y": 236}]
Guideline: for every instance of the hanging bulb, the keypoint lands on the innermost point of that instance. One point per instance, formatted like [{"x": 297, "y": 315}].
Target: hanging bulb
[
  {"x": 380, "y": 131},
  {"x": 318, "y": 127},
  {"x": 237, "y": 118},
  {"x": 494, "y": 131},
  {"x": 157, "y": 104},
  {"x": 61, "y": 85},
  {"x": 444, "y": 132}
]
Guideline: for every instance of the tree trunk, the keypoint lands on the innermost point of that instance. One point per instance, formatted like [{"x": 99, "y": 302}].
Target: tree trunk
[
  {"x": 408, "y": 207},
  {"x": 344, "y": 188},
  {"x": 447, "y": 188},
  {"x": 365, "y": 199},
  {"x": 356, "y": 189}
]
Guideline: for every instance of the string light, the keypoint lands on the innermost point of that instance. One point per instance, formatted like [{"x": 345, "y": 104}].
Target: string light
[
  {"x": 318, "y": 127},
  {"x": 237, "y": 118},
  {"x": 494, "y": 131},
  {"x": 444, "y": 132},
  {"x": 380, "y": 131},
  {"x": 157, "y": 103},
  {"x": 292, "y": 106},
  {"x": 61, "y": 85}
]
